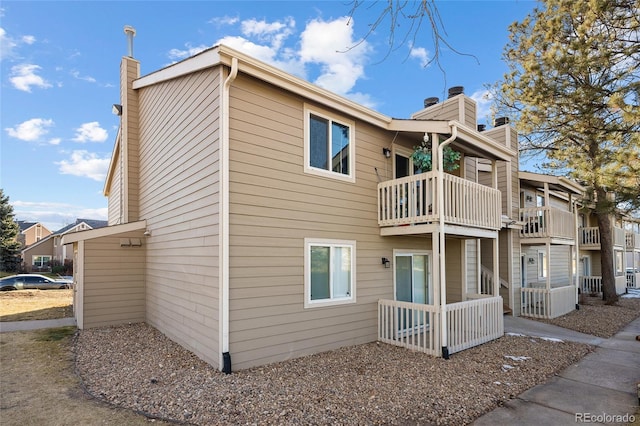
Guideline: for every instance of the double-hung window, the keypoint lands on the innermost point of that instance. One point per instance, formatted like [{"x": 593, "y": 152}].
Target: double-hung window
[
  {"x": 329, "y": 145},
  {"x": 329, "y": 272}
]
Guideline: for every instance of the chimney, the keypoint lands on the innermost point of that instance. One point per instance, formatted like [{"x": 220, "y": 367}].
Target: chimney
[
  {"x": 430, "y": 101},
  {"x": 501, "y": 121},
  {"x": 130, "y": 32},
  {"x": 481, "y": 127},
  {"x": 455, "y": 91}
]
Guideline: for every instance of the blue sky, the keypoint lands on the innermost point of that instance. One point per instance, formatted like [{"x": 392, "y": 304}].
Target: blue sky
[{"x": 60, "y": 64}]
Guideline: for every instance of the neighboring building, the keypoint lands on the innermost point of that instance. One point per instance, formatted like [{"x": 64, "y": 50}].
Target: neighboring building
[
  {"x": 589, "y": 263},
  {"x": 49, "y": 251},
  {"x": 632, "y": 240},
  {"x": 256, "y": 217},
  {"x": 31, "y": 232},
  {"x": 549, "y": 244}
]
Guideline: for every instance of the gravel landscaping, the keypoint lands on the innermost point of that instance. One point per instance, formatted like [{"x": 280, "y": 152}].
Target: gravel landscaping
[{"x": 136, "y": 367}]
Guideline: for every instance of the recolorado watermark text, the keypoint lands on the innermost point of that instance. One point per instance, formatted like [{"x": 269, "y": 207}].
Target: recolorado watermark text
[{"x": 604, "y": 418}]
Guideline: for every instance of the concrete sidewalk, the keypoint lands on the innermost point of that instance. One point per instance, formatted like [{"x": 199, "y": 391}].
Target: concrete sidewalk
[
  {"x": 8, "y": 326},
  {"x": 601, "y": 388}
]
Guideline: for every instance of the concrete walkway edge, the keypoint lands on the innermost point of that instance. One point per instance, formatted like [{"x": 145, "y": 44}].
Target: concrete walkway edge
[
  {"x": 8, "y": 326},
  {"x": 601, "y": 388}
]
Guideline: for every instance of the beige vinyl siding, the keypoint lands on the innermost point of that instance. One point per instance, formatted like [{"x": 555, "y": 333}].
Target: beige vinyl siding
[
  {"x": 471, "y": 255},
  {"x": 274, "y": 205},
  {"x": 179, "y": 199},
  {"x": 558, "y": 203},
  {"x": 559, "y": 267},
  {"x": 454, "y": 269},
  {"x": 113, "y": 284},
  {"x": 458, "y": 108}
]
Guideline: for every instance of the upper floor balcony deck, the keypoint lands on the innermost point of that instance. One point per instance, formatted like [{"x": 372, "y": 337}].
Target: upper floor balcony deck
[
  {"x": 589, "y": 238},
  {"x": 547, "y": 223},
  {"x": 632, "y": 241},
  {"x": 469, "y": 208}
]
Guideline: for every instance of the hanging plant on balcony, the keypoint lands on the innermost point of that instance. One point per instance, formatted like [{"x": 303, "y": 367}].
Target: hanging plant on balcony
[{"x": 422, "y": 157}]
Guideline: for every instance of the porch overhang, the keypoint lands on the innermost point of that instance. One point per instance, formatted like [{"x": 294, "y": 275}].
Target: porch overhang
[
  {"x": 107, "y": 231},
  {"x": 430, "y": 228}
]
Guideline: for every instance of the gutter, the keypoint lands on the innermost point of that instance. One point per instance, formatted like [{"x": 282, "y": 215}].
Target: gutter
[
  {"x": 441, "y": 259},
  {"x": 223, "y": 240}
]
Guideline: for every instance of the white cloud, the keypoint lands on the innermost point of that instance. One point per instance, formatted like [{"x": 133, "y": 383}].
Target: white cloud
[
  {"x": 178, "y": 54},
  {"x": 421, "y": 54},
  {"x": 76, "y": 75},
  {"x": 331, "y": 45},
  {"x": 85, "y": 164},
  {"x": 484, "y": 100},
  {"x": 224, "y": 20},
  {"x": 23, "y": 77},
  {"x": 91, "y": 132},
  {"x": 28, "y": 39},
  {"x": 7, "y": 44},
  {"x": 30, "y": 130}
]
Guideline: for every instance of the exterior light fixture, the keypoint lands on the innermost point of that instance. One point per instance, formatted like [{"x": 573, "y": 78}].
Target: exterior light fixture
[
  {"x": 116, "y": 109},
  {"x": 386, "y": 152},
  {"x": 386, "y": 262}
]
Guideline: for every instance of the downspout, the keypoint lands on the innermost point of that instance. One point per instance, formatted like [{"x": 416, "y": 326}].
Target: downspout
[
  {"x": 441, "y": 258},
  {"x": 223, "y": 241}
]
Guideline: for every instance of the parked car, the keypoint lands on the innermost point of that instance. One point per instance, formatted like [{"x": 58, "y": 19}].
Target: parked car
[{"x": 33, "y": 281}]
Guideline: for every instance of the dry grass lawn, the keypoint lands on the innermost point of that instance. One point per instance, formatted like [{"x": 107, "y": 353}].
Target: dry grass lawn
[{"x": 23, "y": 305}]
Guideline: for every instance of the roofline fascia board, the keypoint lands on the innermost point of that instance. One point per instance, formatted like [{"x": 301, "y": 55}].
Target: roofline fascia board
[
  {"x": 426, "y": 126},
  {"x": 501, "y": 152},
  {"x": 103, "y": 232},
  {"x": 556, "y": 180},
  {"x": 205, "y": 59}
]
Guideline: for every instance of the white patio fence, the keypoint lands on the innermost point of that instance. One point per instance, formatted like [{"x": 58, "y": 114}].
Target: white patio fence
[
  {"x": 552, "y": 303},
  {"x": 417, "y": 327}
]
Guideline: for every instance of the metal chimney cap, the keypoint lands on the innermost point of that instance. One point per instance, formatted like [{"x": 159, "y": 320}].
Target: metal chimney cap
[{"x": 128, "y": 29}]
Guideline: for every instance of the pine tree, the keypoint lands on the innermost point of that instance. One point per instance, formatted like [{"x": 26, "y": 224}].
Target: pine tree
[
  {"x": 9, "y": 245},
  {"x": 574, "y": 86}
]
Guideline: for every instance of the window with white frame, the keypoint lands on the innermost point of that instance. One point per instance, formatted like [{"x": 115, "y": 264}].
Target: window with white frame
[
  {"x": 542, "y": 264},
  {"x": 329, "y": 268},
  {"x": 41, "y": 261},
  {"x": 619, "y": 262},
  {"x": 329, "y": 145}
]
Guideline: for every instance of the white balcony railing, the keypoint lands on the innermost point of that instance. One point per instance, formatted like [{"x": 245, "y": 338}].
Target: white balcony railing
[
  {"x": 632, "y": 241},
  {"x": 552, "y": 303},
  {"x": 413, "y": 200},
  {"x": 541, "y": 222},
  {"x": 591, "y": 284},
  {"x": 416, "y": 326},
  {"x": 590, "y": 236}
]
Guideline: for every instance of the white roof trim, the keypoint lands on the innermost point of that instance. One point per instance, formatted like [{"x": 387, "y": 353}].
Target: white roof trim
[{"x": 103, "y": 232}]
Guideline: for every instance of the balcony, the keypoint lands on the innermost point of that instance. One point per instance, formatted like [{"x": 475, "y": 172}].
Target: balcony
[
  {"x": 589, "y": 238},
  {"x": 632, "y": 241},
  {"x": 412, "y": 200},
  {"x": 547, "y": 222}
]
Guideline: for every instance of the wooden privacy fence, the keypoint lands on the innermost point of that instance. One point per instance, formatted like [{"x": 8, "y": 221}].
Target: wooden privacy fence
[
  {"x": 416, "y": 326},
  {"x": 413, "y": 199}
]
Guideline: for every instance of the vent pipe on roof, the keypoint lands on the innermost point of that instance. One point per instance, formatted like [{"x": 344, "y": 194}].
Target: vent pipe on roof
[
  {"x": 130, "y": 32},
  {"x": 455, "y": 91},
  {"x": 430, "y": 101},
  {"x": 482, "y": 127}
]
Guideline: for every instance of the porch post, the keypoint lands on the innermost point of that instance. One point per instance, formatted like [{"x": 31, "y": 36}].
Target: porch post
[
  {"x": 496, "y": 268},
  {"x": 548, "y": 246}
]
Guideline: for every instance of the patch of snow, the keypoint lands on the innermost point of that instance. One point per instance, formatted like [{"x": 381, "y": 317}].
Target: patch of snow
[
  {"x": 517, "y": 358},
  {"x": 497, "y": 383},
  {"x": 632, "y": 293},
  {"x": 507, "y": 367},
  {"x": 552, "y": 339},
  {"x": 516, "y": 334}
]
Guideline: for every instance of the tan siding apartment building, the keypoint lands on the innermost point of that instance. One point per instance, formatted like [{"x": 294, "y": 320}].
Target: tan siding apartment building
[{"x": 261, "y": 218}]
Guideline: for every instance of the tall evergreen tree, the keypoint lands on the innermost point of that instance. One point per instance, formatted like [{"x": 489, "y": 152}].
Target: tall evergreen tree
[
  {"x": 573, "y": 87},
  {"x": 9, "y": 230}
]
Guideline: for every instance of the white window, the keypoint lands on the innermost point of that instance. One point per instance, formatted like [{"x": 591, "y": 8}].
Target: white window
[
  {"x": 329, "y": 268},
  {"x": 542, "y": 264},
  {"x": 329, "y": 147},
  {"x": 41, "y": 261},
  {"x": 619, "y": 262}
]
